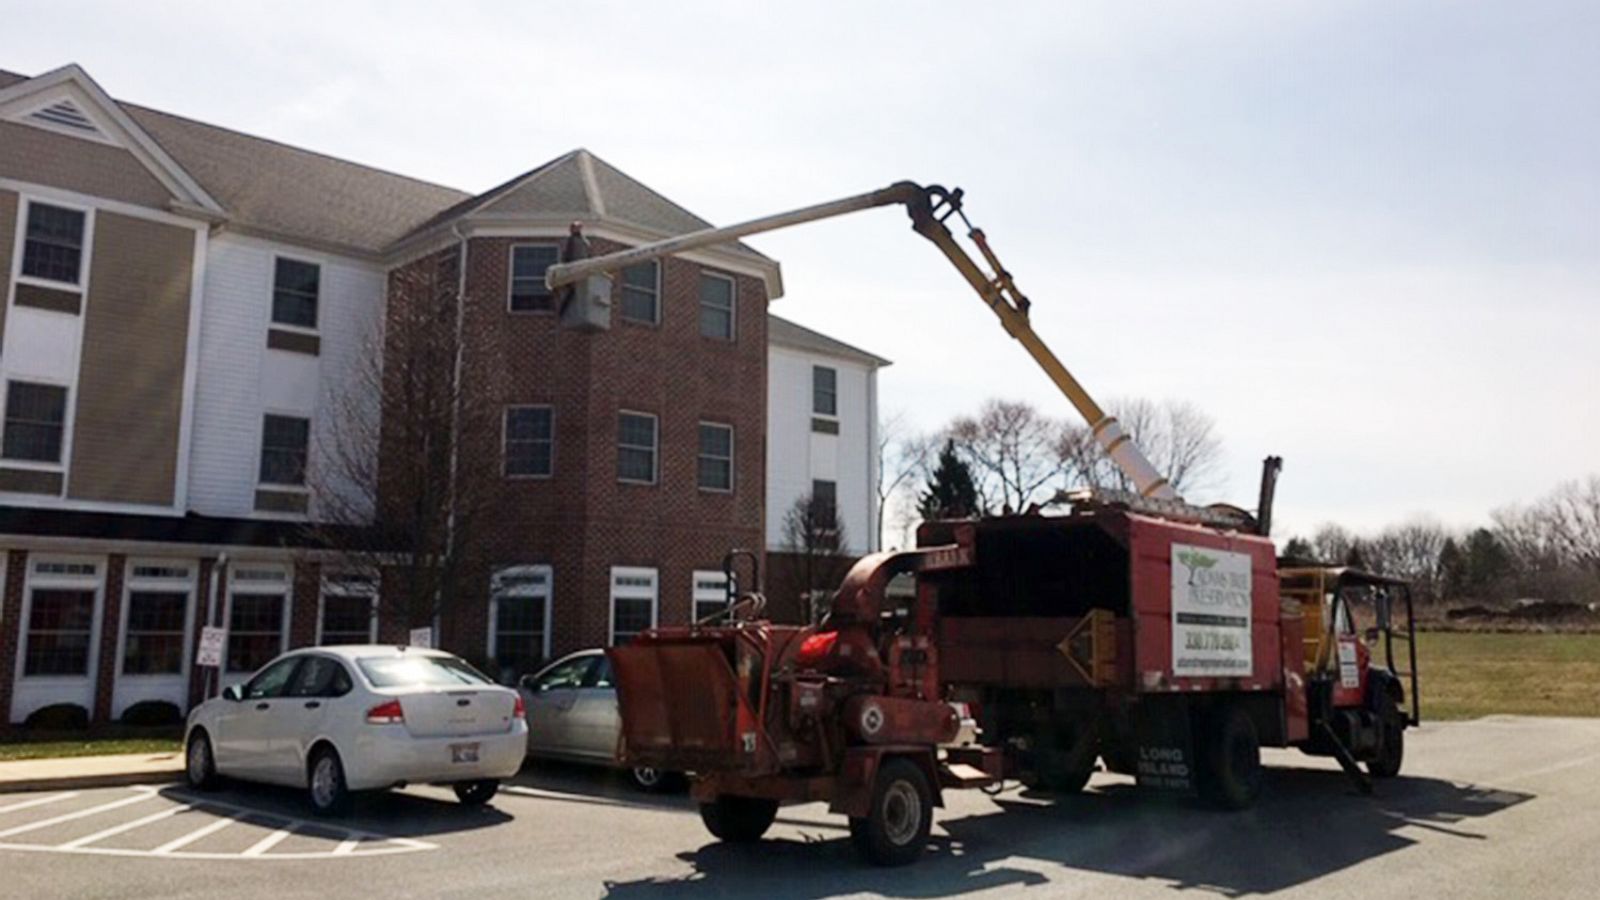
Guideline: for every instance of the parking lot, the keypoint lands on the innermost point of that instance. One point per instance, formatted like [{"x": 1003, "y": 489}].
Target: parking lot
[{"x": 1500, "y": 806}]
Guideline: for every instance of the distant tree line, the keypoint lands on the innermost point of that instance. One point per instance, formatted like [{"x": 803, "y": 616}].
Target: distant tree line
[{"x": 1548, "y": 549}]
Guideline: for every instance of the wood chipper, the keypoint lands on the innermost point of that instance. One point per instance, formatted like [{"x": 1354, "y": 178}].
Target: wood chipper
[{"x": 1157, "y": 636}]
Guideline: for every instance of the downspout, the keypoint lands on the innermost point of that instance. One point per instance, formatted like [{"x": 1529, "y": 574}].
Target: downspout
[{"x": 455, "y": 411}]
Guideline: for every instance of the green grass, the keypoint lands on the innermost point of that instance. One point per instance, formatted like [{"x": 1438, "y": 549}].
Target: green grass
[
  {"x": 1465, "y": 675},
  {"x": 28, "y": 746}
]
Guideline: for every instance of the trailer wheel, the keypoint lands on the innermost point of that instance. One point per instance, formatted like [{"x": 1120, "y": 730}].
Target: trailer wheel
[
  {"x": 1230, "y": 775},
  {"x": 738, "y": 820},
  {"x": 1391, "y": 741},
  {"x": 895, "y": 831},
  {"x": 1066, "y": 762}
]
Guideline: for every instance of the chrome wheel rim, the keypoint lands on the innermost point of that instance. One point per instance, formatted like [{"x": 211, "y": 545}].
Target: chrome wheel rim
[
  {"x": 324, "y": 782},
  {"x": 902, "y": 813},
  {"x": 646, "y": 776},
  {"x": 199, "y": 761}
]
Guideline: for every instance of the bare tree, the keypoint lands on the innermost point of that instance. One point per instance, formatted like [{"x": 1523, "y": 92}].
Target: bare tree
[
  {"x": 1011, "y": 449},
  {"x": 395, "y": 490},
  {"x": 813, "y": 533},
  {"x": 1332, "y": 543},
  {"x": 1410, "y": 551},
  {"x": 1176, "y": 436},
  {"x": 902, "y": 457}
]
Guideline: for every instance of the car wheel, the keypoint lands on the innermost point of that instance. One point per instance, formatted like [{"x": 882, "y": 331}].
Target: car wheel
[
  {"x": 477, "y": 793},
  {"x": 895, "y": 830},
  {"x": 648, "y": 778},
  {"x": 200, "y": 764},
  {"x": 329, "y": 795},
  {"x": 738, "y": 820}
]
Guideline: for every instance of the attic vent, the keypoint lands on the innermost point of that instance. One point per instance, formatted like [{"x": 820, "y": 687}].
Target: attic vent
[{"x": 66, "y": 115}]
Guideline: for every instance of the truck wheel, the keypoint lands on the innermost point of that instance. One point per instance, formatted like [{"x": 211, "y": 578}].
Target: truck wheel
[
  {"x": 1230, "y": 775},
  {"x": 1391, "y": 742},
  {"x": 895, "y": 831},
  {"x": 738, "y": 820},
  {"x": 1066, "y": 761}
]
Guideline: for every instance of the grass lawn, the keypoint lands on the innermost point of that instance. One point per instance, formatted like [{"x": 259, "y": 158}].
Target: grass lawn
[
  {"x": 34, "y": 748},
  {"x": 1466, "y": 675}
]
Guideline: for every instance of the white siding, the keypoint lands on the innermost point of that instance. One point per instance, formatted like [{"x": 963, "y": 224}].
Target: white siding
[
  {"x": 240, "y": 379},
  {"x": 796, "y": 454}
]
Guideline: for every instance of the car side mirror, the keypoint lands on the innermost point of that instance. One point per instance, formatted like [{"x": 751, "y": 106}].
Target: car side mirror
[
  {"x": 526, "y": 683},
  {"x": 233, "y": 693}
]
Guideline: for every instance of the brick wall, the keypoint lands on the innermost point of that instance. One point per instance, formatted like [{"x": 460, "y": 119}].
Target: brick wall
[
  {"x": 10, "y": 628},
  {"x": 582, "y": 521},
  {"x": 110, "y": 633}
]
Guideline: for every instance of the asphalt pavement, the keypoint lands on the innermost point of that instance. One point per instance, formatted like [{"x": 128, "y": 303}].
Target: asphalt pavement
[{"x": 1497, "y": 807}]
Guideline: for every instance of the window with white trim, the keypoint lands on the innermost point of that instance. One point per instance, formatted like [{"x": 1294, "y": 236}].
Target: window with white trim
[
  {"x": 156, "y": 634},
  {"x": 284, "y": 443},
  {"x": 257, "y": 623},
  {"x": 633, "y": 602},
  {"x": 296, "y": 291},
  {"x": 528, "y": 265},
  {"x": 35, "y": 423},
  {"x": 641, "y": 293},
  {"x": 52, "y": 248},
  {"x": 349, "y": 609},
  {"x": 824, "y": 391},
  {"x": 716, "y": 306},
  {"x": 59, "y": 631},
  {"x": 636, "y": 447},
  {"x": 519, "y": 619},
  {"x": 715, "y": 462},
  {"x": 710, "y": 593},
  {"x": 530, "y": 440}
]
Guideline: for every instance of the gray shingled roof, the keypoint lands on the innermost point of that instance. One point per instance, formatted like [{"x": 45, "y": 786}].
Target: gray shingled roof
[{"x": 788, "y": 334}]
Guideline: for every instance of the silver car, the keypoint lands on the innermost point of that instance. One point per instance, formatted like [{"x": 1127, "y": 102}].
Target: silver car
[{"x": 572, "y": 716}]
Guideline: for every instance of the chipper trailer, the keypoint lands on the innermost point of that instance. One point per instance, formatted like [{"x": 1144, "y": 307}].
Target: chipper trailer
[{"x": 1165, "y": 640}]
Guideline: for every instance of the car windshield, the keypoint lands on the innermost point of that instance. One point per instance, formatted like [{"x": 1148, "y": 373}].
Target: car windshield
[{"x": 407, "y": 671}]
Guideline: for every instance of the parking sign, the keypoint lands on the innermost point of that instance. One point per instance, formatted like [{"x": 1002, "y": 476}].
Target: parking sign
[{"x": 212, "y": 640}]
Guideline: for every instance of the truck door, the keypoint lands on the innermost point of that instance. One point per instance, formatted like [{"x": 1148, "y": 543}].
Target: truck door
[{"x": 1350, "y": 657}]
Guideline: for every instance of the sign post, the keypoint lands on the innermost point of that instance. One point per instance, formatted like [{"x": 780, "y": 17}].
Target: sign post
[{"x": 212, "y": 642}]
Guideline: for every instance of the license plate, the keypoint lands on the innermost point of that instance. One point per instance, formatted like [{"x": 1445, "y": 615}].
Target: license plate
[{"x": 463, "y": 753}]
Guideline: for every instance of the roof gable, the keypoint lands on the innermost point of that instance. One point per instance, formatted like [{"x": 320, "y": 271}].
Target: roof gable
[
  {"x": 785, "y": 333},
  {"x": 67, "y": 101}
]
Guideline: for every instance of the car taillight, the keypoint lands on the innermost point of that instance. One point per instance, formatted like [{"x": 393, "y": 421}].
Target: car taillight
[
  {"x": 386, "y": 714},
  {"x": 520, "y": 711}
]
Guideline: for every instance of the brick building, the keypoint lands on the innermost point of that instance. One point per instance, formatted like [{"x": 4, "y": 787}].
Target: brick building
[{"x": 182, "y": 304}]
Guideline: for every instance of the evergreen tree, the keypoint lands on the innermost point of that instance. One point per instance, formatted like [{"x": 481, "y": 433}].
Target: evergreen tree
[
  {"x": 1299, "y": 548},
  {"x": 1452, "y": 570},
  {"x": 951, "y": 493}
]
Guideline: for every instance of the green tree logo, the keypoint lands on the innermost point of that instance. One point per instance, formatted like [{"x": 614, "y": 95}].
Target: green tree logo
[{"x": 1194, "y": 561}]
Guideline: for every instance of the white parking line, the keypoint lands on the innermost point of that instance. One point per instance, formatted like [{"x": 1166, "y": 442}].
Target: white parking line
[
  {"x": 197, "y": 834},
  {"x": 82, "y": 813},
  {"x": 271, "y": 840},
  {"x": 125, "y": 826},
  {"x": 345, "y": 846},
  {"x": 39, "y": 801}
]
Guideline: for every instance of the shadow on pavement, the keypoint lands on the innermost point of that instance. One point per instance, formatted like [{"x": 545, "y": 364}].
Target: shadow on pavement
[
  {"x": 1310, "y": 823},
  {"x": 389, "y": 813},
  {"x": 570, "y": 782}
]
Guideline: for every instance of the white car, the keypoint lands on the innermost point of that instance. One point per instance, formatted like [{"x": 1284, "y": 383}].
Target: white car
[
  {"x": 572, "y": 716},
  {"x": 336, "y": 720}
]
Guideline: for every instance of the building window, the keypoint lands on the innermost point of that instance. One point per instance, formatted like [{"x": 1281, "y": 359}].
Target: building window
[
  {"x": 825, "y": 499},
  {"x": 154, "y": 641},
  {"x": 257, "y": 616},
  {"x": 636, "y": 447},
  {"x": 528, "y": 264},
  {"x": 710, "y": 594},
  {"x": 283, "y": 449},
  {"x": 716, "y": 457},
  {"x": 53, "y": 247},
  {"x": 60, "y": 625},
  {"x": 295, "y": 287},
  {"x": 36, "y": 416},
  {"x": 530, "y": 441},
  {"x": 716, "y": 306},
  {"x": 633, "y": 603},
  {"x": 824, "y": 391},
  {"x": 349, "y": 609},
  {"x": 519, "y": 613},
  {"x": 641, "y": 292}
]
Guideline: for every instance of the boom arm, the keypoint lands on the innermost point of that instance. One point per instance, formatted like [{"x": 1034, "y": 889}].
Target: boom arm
[{"x": 929, "y": 208}]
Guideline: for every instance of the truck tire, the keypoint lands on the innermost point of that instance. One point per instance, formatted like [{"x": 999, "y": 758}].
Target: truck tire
[
  {"x": 895, "y": 831},
  {"x": 1066, "y": 760},
  {"x": 1230, "y": 760},
  {"x": 1391, "y": 741},
  {"x": 738, "y": 820}
]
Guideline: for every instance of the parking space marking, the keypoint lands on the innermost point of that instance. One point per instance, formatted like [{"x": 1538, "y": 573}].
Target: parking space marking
[
  {"x": 125, "y": 826},
  {"x": 342, "y": 842},
  {"x": 82, "y": 813},
  {"x": 38, "y": 801}
]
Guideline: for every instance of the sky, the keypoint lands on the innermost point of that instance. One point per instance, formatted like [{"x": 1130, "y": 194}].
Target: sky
[{"x": 1362, "y": 235}]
